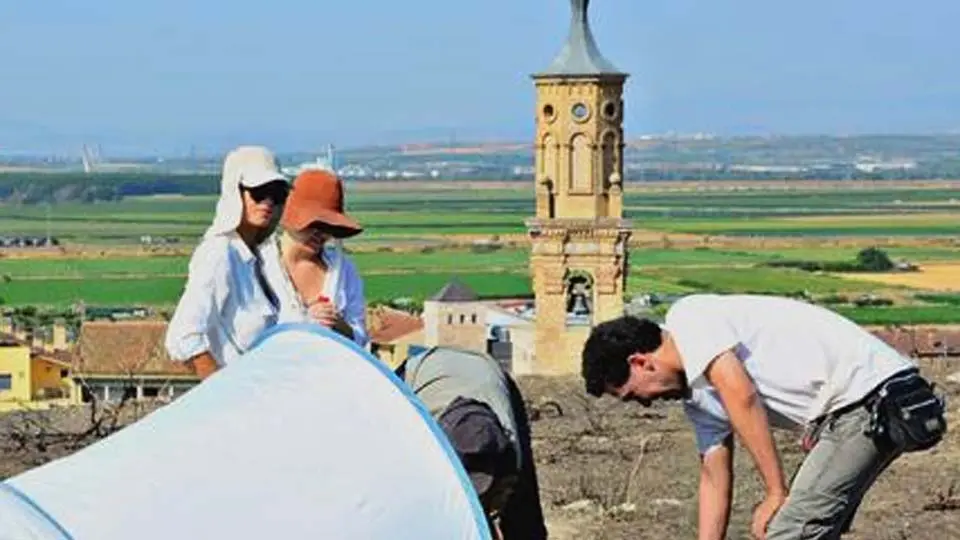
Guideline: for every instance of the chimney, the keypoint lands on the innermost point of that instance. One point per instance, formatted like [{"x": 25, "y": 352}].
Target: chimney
[
  {"x": 37, "y": 341},
  {"x": 59, "y": 335}
]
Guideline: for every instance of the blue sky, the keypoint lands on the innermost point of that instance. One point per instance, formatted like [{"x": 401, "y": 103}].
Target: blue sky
[{"x": 162, "y": 75}]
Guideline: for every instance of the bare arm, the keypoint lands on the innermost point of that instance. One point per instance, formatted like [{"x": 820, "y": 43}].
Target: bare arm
[
  {"x": 203, "y": 365},
  {"x": 748, "y": 417},
  {"x": 716, "y": 491}
]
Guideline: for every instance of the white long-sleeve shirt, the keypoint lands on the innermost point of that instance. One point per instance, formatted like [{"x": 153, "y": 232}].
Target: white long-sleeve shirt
[
  {"x": 223, "y": 308},
  {"x": 343, "y": 286}
]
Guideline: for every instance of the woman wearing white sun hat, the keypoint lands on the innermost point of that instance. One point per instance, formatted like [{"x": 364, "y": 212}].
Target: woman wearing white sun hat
[{"x": 227, "y": 303}]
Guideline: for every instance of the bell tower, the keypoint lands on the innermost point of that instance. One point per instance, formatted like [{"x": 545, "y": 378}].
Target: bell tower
[{"x": 578, "y": 237}]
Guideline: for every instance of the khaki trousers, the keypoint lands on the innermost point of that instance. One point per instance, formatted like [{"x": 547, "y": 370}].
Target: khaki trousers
[{"x": 832, "y": 480}]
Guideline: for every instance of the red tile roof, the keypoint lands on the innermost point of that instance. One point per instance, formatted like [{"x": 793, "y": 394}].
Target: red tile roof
[
  {"x": 387, "y": 325},
  {"x": 922, "y": 341},
  {"x": 125, "y": 348}
]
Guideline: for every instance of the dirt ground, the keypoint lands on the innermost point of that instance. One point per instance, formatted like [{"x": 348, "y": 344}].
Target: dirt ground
[{"x": 611, "y": 471}]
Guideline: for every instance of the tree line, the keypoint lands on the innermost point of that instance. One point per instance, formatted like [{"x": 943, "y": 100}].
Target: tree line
[
  {"x": 60, "y": 187},
  {"x": 44, "y": 187}
]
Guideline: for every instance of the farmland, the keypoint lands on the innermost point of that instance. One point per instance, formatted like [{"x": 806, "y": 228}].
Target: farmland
[
  {"x": 607, "y": 470},
  {"x": 688, "y": 237}
]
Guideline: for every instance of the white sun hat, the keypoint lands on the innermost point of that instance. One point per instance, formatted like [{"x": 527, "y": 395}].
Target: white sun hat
[{"x": 247, "y": 166}]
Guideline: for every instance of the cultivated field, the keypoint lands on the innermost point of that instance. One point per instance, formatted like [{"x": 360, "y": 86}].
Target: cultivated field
[
  {"x": 607, "y": 470},
  {"x": 712, "y": 236},
  {"x": 932, "y": 277}
]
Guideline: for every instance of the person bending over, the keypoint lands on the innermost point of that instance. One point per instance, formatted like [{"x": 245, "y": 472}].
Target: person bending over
[
  {"x": 481, "y": 410},
  {"x": 744, "y": 363}
]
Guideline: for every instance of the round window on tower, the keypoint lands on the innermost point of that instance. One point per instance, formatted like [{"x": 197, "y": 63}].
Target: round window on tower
[
  {"x": 610, "y": 110},
  {"x": 549, "y": 113},
  {"x": 580, "y": 112}
]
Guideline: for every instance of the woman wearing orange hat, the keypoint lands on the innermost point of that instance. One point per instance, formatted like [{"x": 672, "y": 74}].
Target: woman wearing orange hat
[{"x": 305, "y": 264}]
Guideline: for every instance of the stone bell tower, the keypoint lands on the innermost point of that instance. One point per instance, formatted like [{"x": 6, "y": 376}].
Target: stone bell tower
[{"x": 578, "y": 238}]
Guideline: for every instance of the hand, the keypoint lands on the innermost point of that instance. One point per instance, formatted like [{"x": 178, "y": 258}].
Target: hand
[
  {"x": 204, "y": 365},
  {"x": 495, "y": 532},
  {"x": 764, "y": 512},
  {"x": 324, "y": 312}
]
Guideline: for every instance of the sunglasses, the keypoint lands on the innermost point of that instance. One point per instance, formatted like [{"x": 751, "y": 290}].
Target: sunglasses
[{"x": 276, "y": 193}]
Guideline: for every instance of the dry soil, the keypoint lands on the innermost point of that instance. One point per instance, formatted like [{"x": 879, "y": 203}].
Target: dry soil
[{"x": 612, "y": 471}]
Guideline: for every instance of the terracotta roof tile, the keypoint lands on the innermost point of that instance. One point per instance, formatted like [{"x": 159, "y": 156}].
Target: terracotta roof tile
[
  {"x": 125, "y": 347},
  {"x": 61, "y": 357},
  {"x": 386, "y": 324},
  {"x": 922, "y": 341}
]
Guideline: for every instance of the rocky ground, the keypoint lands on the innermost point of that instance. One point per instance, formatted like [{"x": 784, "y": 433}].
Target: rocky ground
[
  {"x": 611, "y": 471},
  {"x": 614, "y": 471}
]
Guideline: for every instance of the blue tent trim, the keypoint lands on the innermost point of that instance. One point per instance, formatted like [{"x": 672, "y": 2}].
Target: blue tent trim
[
  {"x": 36, "y": 508},
  {"x": 435, "y": 428}
]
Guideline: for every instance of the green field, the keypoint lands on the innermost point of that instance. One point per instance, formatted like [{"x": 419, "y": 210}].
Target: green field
[
  {"x": 386, "y": 215},
  {"x": 457, "y": 261},
  {"x": 165, "y": 291},
  {"x": 404, "y": 219},
  {"x": 158, "y": 281}
]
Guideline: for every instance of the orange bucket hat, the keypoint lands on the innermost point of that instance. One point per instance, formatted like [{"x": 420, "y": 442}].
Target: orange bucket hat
[{"x": 317, "y": 198}]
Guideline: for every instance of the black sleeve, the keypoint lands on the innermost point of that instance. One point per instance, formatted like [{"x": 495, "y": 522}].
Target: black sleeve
[{"x": 522, "y": 518}]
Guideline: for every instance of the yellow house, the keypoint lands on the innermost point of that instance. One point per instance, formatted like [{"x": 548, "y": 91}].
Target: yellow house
[{"x": 31, "y": 378}]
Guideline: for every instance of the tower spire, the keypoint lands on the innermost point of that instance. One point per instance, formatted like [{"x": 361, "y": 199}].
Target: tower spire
[{"x": 580, "y": 54}]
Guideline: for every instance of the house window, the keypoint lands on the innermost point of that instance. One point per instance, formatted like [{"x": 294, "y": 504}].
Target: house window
[
  {"x": 463, "y": 318},
  {"x": 6, "y": 381},
  {"x": 449, "y": 319},
  {"x": 473, "y": 318}
]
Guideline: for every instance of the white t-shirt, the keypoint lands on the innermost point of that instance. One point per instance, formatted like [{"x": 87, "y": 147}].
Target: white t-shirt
[{"x": 804, "y": 360}]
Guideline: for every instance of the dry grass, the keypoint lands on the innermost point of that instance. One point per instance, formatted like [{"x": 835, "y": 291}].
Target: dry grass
[{"x": 933, "y": 277}]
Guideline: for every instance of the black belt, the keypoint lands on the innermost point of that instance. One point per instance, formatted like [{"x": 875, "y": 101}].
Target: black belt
[{"x": 870, "y": 399}]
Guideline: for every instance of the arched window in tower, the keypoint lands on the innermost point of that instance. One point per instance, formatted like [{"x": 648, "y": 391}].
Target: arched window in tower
[
  {"x": 578, "y": 287},
  {"x": 581, "y": 164},
  {"x": 548, "y": 165},
  {"x": 552, "y": 203},
  {"x": 609, "y": 159},
  {"x": 548, "y": 172}
]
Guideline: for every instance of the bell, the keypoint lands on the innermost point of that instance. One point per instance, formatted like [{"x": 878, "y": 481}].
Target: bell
[{"x": 580, "y": 305}]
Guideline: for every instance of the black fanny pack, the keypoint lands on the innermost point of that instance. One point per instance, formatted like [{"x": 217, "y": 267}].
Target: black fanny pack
[{"x": 906, "y": 413}]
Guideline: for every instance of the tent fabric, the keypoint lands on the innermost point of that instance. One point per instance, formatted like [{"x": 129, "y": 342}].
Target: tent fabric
[
  {"x": 21, "y": 519},
  {"x": 307, "y": 436}
]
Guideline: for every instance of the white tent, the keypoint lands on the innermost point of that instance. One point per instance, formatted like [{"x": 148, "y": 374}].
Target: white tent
[{"x": 307, "y": 436}]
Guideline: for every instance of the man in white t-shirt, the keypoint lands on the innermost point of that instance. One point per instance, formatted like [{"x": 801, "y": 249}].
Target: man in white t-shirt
[{"x": 744, "y": 363}]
